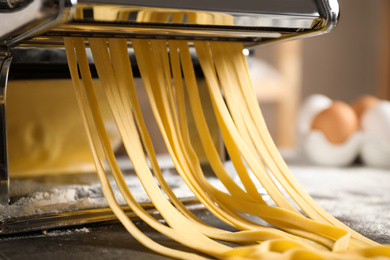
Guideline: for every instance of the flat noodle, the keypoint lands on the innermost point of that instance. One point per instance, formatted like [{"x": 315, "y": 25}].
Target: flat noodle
[{"x": 168, "y": 77}]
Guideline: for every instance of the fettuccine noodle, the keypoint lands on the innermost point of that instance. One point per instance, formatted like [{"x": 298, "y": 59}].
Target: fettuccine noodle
[{"x": 300, "y": 230}]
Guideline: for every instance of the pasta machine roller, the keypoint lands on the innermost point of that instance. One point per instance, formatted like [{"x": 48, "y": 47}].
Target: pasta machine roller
[{"x": 43, "y": 23}]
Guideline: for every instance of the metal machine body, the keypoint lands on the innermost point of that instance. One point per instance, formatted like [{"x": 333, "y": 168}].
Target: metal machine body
[{"x": 43, "y": 23}]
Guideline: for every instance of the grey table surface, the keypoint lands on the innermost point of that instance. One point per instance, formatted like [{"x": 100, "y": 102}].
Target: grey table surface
[{"x": 357, "y": 195}]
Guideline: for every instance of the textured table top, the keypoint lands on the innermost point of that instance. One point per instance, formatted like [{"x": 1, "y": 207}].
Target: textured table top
[{"x": 357, "y": 195}]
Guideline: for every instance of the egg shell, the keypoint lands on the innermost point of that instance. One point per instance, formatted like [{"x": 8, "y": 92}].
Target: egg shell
[
  {"x": 376, "y": 121},
  {"x": 375, "y": 153},
  {"x": 313, "y": 105},
  {"x": 338, "y": 122},
  {"x": 375, "y": 125},
  {"x": 322, "y": 152},
  {"x": 363, "y": 104}
]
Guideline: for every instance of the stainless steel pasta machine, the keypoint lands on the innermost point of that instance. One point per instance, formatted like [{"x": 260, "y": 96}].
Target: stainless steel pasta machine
[{"x": 32, "y": 24}]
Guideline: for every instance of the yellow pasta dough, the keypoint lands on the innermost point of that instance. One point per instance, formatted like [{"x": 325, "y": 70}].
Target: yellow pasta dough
[
  {"x": 303, "y": 231},
  {"x": 45, "y": 130}
]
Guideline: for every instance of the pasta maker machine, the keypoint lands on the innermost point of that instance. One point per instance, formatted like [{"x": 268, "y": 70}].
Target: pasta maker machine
[{"x": 41, "y": 24}]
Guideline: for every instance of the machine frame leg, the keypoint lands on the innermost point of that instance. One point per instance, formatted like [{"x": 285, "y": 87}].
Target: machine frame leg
[{"x": 5, "y": 62}]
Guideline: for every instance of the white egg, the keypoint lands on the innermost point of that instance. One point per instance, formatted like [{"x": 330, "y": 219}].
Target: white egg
[
  {"x": 313, "y": 105},
  {"x": 322, "y": 152},
  {"x": 376, "y": 128}
]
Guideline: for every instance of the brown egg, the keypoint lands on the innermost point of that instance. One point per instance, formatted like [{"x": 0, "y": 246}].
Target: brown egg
[
  {"x": 363, "y": 103},
  {"x": 337, "y": 123}
]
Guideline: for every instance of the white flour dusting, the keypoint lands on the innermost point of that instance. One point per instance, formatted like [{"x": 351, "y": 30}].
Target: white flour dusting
[
  {"x": 358, "y": 196},
  {"x": 55, "y": 233},
  {"x": 57, "y": 194}
]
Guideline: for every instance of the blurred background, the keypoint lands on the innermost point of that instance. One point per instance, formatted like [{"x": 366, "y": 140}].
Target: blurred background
[{"x": 352, "y": 60}]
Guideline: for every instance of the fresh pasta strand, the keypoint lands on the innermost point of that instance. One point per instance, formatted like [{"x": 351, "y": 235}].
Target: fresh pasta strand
[
  {"x": 214, "y": 91},
  {"x": 176, "y": 150},
  {"x": 218, "y": 234},
  {"x": 280, "y": 169},
  {"x": 168, "y": 76},
  {"x": 93, "y": 137}
]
